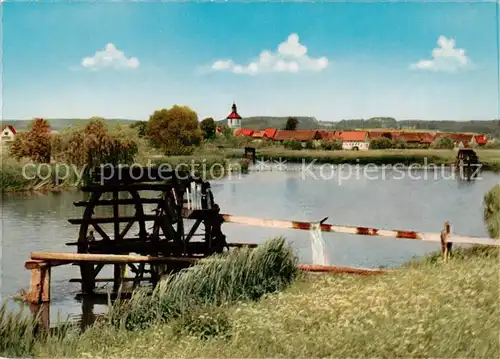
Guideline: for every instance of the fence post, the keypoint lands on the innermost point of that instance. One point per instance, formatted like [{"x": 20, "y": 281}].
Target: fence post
[{"x": 446, "y": 246}]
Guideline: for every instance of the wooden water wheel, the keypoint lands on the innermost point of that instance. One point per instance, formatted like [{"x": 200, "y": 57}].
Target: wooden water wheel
[{"x": 159, "y": 221}]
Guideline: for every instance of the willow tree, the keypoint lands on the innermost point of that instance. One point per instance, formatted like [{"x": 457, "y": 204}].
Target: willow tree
[
  {"x": 492, "y": 211},
  {"x": 94, "y": 144}
]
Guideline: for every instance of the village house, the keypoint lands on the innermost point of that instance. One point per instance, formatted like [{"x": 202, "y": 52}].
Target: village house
[
  {"x": 462, "y": 140},
  {"x": 330, "y": 135},
  {"x": 8, "y": 134},
  {"x": 355, "y": 140},
  {"x": 481, "y": 140},
  {"x": 244, "y": 132},
  {"x": 376, "y": 135},
  {"x": 297, "y": 135}
]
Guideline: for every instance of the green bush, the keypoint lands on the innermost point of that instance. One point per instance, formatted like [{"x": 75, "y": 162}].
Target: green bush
[
  {"x": 292, "y": 145},
  {"x": 382, "y": 143},
  {"x": 443, "y": 143},
  {"x": 310, "y": 145},
  {"x": 492, "y": 211},
  {"x": 331, "y": 145}
]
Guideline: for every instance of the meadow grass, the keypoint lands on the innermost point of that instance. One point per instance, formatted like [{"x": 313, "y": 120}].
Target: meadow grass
[
  {"x": 490, "y": 158},
  {"x": 426, "y": 308}
]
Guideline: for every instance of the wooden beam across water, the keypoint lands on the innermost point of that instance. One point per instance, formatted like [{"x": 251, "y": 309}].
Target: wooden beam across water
[
  {"x": 62, "y": 257},
  {"x": 366, "y": 231}
]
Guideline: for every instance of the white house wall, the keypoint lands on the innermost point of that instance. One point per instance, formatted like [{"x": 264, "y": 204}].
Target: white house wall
[
  {"x": 7, "y": 135},
  {"x": 349, "y": 145}
]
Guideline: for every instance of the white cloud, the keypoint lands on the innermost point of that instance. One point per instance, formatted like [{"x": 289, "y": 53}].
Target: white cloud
[
  {"x": 291, "y": 56},
  {"x": 110, "y": 57},
  {"x": 445, "y": 57}
]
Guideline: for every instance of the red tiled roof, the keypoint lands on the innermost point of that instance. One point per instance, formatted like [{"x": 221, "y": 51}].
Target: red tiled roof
[
  {"x": 258, "y": 134},
  {"x": 234, "y": 114},
  {"x": 270, "y": 132},
  {"x": 244, "y": 132},
  {"x": 427, "y": 137},
  {"x": 353, "y": 136},
  {"x": 409, "y": 137},
  {"x": 298, "y": 135},
  {"x": 379, "y": 134},
  {"x": 481, "y": 139},
  {"x": 11, "y": 128},
  {"x": 329, "y": 135}
]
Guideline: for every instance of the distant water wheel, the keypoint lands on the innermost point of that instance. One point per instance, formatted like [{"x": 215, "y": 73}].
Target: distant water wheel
[
  {"x": 468, "y": 165},
  {"x": 166, "y": 236}
]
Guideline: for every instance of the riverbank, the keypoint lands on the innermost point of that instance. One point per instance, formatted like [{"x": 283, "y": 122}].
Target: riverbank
[
  {"x": 26, "y": 177},
  {"x": 489, "y": 158},
  {"x": 426, "y": 308}
]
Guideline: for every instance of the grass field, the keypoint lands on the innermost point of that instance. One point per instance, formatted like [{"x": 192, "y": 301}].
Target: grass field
[{"x": 425, "y": 309}]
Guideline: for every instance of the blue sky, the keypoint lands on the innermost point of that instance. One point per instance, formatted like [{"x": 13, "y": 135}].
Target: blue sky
[{"x": 342, "y": 60}]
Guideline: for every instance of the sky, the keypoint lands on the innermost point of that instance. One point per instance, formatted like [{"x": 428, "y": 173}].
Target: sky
[{"x": 330, "y": 60}]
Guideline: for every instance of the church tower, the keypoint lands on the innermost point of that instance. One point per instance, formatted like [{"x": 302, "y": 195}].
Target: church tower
[{"x": 234, "y": 119}]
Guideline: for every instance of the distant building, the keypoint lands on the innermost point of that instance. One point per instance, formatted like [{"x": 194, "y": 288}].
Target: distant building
[
  {"x": 234, "y": 119},
  {"x": 8, "y": 134},
  {"x": 355, "y": 140},
  {"x": 297, "y": 135}
]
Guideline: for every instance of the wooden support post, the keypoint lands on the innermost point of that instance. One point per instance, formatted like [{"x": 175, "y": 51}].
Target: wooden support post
[
  {"x": 117, "y": 284},
  {"x": 42, "y": 312},
  {"x": 39, "y": 285},
  {"x": 46, "y": 274},
  {"x": 445, "y": 245}
]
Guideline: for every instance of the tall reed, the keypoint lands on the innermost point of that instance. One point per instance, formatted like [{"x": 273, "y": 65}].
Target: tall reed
[{"x": 240, "y": 275}]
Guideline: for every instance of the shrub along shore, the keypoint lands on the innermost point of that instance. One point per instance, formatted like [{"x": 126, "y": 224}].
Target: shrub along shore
[
  {"x": 256, "y": 304},
  {"x": 489, "y": 158},
  {"x": 25, "y": 176},
  {"x": 217, "y": 164}
]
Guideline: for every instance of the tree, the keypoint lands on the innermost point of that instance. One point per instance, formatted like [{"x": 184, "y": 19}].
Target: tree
[
  {"x": 492, "y": 211},
  {"x": 175, "y": 130},
  {"x": 227, "y": 132},
  {"x": 291, "y": 124},
  {"x": 331, "y": 145},
  {"x": 95, "y": 144},
  {"x": 141, "y": 127},
  {"x": 381, "y": 143},
  {"x": 208, "y": 127},
  {"x": 443, "y": 143},
  {"x": 35, "y": 143}
]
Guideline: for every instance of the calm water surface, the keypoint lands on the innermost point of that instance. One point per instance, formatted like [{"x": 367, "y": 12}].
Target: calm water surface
[{"x": 39, "y": 223}]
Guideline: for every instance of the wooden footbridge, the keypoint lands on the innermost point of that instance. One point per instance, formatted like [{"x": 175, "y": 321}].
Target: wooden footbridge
[{"x": 167, "y": 245}]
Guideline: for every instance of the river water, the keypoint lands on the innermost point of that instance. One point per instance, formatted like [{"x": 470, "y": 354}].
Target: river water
[{"x": 407, "y": 200}]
